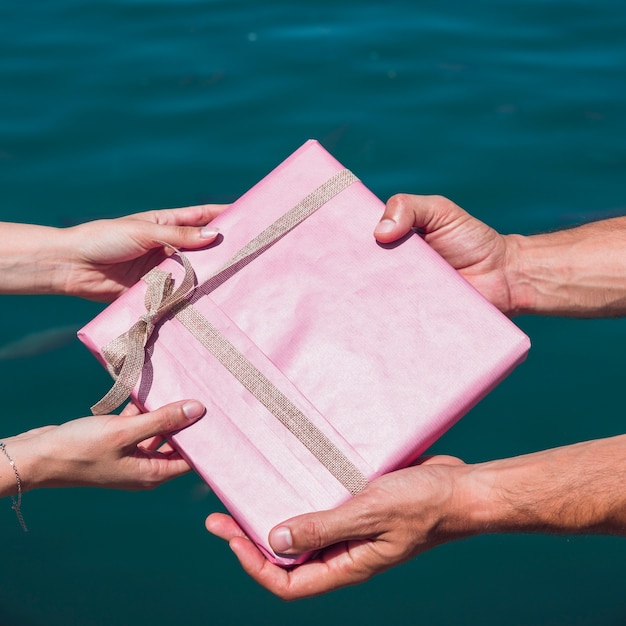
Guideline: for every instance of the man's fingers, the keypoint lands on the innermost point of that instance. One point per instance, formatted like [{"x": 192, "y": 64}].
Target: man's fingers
[
  {"x": 439, "y": 459},
  {"x": 314, "y": 531},
  {"x": 273, "y": 577},
  {"x": 397, "y": 220},
  {"x": 406, "y": 211},
  {"x": 335, "y": 568},
  {"x": 223, "y": 526},
  {"x": 310, "y": 579}
]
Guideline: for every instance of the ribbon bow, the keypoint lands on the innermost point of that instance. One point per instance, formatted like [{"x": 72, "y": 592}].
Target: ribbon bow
[{"x": 125, "y": 355}]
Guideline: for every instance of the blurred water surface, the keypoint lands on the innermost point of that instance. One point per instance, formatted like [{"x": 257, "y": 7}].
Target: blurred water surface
[{"x": 516, "y": 110}]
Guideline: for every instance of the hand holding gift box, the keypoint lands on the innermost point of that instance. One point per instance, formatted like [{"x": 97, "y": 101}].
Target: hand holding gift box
[
  {"x": 95, "y": 260},
  {"x": 324, "y": 358},
  {"x": 574, "y": 489}
]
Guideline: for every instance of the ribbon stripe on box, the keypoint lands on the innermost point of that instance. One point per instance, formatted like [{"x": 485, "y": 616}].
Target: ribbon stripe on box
[{"x": 126, "y": 354}]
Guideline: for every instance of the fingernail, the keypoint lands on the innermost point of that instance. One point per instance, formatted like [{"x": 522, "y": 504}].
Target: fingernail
[
  {"x": 281, "y": 540},
  {"x": 209, "y": 233},
  {"x": 384, "y": 226},
  {"x": 193, "y": 409}
]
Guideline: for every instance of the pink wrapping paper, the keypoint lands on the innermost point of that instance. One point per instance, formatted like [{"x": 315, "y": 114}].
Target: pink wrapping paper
[{"x": 382, "y": 347}]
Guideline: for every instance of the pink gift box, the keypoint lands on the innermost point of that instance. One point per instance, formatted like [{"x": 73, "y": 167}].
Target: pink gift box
[{"x": 324, "y": 358}]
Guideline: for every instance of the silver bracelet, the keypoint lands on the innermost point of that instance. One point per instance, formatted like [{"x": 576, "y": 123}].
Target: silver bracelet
[{"x": 16, "y": 503}]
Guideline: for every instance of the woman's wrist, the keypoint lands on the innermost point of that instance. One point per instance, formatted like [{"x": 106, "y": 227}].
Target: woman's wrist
[
  {"x": 31, "y": 469},
  {"x": 33, "y": 259},
  {"x": 41, "y": 461}
]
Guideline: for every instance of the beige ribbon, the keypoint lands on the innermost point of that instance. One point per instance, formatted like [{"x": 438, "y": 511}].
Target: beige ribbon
[
  {"x": 125, "y": 355},
  {"x": 273, "y": 399}
]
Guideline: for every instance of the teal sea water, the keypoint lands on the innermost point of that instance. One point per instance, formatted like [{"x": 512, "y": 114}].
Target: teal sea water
[{"x": 516, "y": 110}]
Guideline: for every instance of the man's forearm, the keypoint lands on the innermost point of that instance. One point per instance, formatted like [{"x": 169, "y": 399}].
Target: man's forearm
[
  {"x": 574, "y": 489},
  {"x": 579, "y": 272}
]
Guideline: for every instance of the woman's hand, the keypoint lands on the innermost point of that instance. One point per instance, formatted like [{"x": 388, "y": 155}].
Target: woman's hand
[
  {"x": 97, "y": 260},
  {"x": 109, "y": 256},
  {"x": 114, "y": 451}
]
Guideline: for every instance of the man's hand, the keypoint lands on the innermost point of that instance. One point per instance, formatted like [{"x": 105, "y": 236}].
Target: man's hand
[
  {"x": 477, "y": 251},
  {"x": 395, "y": 518}
]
